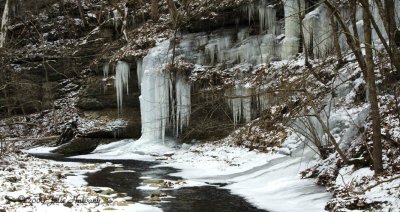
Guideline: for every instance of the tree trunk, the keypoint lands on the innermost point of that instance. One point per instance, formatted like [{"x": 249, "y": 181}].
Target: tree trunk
[
  {"x": 305, "y": 48},
  {"x": 391, "y": 31},
  {"x": 372, "y": 94},
  {"x": 154, "y": 10},
  {"x": 336, "y": 43},
  {"x": 4, "y": 23}
]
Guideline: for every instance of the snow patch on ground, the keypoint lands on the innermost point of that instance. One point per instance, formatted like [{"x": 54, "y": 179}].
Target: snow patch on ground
[
  {"x": 32, "y": 184},
  {"x": 130, "y": 150}
]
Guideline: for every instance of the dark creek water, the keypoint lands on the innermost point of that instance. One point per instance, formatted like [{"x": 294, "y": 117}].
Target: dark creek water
[{"x": 193, "y": 199}]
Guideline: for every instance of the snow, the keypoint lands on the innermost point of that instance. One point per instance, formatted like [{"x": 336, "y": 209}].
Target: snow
[
  {"x": 48, "y": 185},
  {"x": 347, "y": 175},
  {"x": 280, "y": 189},
  {"x": 202, "y": 162},
  {"x": 137, "y": 207},
  {"x": 131, "y": 150},
  {"x": 39, "y": 150},
  {"x": 269, "y": 181}
]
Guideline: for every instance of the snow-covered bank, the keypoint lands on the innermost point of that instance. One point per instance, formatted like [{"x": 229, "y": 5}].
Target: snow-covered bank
[
  {"x": 278, "y": 187},
  {"x": 268, "y": 181},
  {"x": 32, "y": 184}
]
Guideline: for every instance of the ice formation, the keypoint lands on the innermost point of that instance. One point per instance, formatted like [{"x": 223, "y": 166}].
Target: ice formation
[
  {"x": 4, "y": 24},
  {"x": 183, "y": 100},
  {"x": 267, "y": 18},
  {"x": 290, "y": 45},
  {"x": 318, "y": 32},
  {"x": 121, "y": 82},
  {"x": 139, "y": 71},
  {"x": 162, "y": 107},
  {"x": 240, "y": 103},
  {"x": 254, "y": 50},
  {"x": 165, "y": 98},
  {"x": 106, "y": 70}
]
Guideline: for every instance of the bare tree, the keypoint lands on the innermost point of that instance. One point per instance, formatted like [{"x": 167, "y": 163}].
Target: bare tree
[
  {"x": 366, "y": 63},
  {"x": 373, "y": 97}
]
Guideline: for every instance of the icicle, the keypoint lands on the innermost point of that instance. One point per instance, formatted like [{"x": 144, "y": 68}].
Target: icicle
[
  {"x": 216, "y": 48},
  {"x": 267, "y": 18},
  {"x": 117, "y": 18},
  {"x": 263, "y": 102},
  {"x": 210, "y": 51},
  {"x": 250, "y": 11},
  {"x": 4, "y": 24},
  {"x": 246, "y": 103},
  {"x": 106, "y": 68},
  {"x": 121, "y": 82},
  {"x": 183, "y": 106},
  {"x": 309, "y": 27},
  {"x": 261, "y": 13},
  {"x": 239, "y": 101},
  {"x": 139, "y": 71},
  {"x": 154, "y": 99},
  {"x": 235, "y": 104}
]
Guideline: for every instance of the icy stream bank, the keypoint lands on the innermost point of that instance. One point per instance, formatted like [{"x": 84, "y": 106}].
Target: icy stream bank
[{"x": 262, "y": 179}]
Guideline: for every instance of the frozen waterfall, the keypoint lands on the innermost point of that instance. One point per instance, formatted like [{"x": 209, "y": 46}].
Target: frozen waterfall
[{"x": 162, "y": 107}]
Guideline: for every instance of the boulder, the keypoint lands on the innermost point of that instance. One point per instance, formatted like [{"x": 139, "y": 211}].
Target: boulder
[{"x": 78, "y": 146}]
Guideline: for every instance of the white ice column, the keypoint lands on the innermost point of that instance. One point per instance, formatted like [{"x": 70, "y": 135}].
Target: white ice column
[
  {"x": 121, "y": 82},
  {"x": 290, "y": 45}
]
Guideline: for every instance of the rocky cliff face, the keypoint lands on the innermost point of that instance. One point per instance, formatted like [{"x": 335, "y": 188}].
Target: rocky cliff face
[
  {"x": 49, "y": 64},
  {"x": 228, "y": 51},
  {"x": 54, "y": 58}
]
